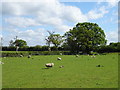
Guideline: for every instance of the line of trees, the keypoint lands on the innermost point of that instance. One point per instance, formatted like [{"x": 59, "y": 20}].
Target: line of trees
[
  {"x": 112, "y": 47},
  {"x": 84, "y": 37}
]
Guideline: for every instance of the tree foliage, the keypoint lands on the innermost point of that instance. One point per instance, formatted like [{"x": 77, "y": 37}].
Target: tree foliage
[
  {"x": 112, "y": 47},
  {"x": 11, "y": 43},
  {"x": 54, "y": 39},
  {"x": 49, "y": 38},
  {"x": 20, "y": 43},
  {"x": 85, "y": 37}
]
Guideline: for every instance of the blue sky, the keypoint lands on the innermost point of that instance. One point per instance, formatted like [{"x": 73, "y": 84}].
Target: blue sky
[{"x": 31, "y": 20}]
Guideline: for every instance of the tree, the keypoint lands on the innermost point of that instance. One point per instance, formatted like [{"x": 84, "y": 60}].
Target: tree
[
  {"x": 38, "y": 47},
  {"x": 11, "y": 43},
  {"x": 20, "y": 43},
  {"x": 115, "y": 46},
  {"x": 17, "y": 43},
  {"x": 49, "y": 39},
  {"x": 85, "y": 37},
  {"x": 56, "y": 40}
]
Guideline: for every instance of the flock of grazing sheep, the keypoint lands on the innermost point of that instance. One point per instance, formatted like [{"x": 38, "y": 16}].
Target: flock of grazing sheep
[{"x": 50, "y": 64}]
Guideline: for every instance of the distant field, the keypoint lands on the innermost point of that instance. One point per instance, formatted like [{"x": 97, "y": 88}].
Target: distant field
[{"x": 78, "y": 72}]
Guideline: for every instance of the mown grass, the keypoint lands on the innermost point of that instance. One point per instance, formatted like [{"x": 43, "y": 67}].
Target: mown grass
[{"x": 78, "y": 72}]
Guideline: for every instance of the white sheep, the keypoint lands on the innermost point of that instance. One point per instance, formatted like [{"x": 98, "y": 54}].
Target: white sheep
[
  {"x": 61, "y": 66},
  {"x": 21, "y": 55},
  {"x": 49, "y": 64},
  {"x": 29, "y": 56},
  {"x": 1, "y": 62},
  {"x": 58, "y": 58},
  {"x": 93, "y": 56},
  {"x": 60, "y": 53},
  {"x": 77, "y": 55}
]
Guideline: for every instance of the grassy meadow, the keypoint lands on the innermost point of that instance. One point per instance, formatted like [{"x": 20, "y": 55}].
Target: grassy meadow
[{"x": 78, "y": 72}]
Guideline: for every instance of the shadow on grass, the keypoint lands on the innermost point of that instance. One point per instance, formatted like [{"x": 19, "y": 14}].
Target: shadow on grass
[{"x": 45, "y": 68}]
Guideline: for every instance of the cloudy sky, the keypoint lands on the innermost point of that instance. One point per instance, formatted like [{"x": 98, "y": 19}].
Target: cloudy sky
[{"x": 30, "y": 20}]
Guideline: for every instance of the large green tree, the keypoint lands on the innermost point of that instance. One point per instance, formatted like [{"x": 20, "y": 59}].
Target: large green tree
[{"x": 85, "y": 37}]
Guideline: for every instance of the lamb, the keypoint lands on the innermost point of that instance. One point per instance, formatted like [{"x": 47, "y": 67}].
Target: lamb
[
  {"x": 49, "y": 64},
  {"x": 58, "y": 58},
  {"x": 1, "y": 62}
]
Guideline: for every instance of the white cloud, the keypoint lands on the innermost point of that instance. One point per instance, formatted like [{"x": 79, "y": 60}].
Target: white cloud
[
  {"x": 45, "y": 20},
  {"x": 44, "y": 9},
  {"x": 43, "y": 13},
  {"x": 73, "y": 14},
  {"x": 27, "y": 8},
  {"x": 33, "y": 37},
  {"x": 62, "y": 28},
  {"x": 21, "y": 22},
  {"x": 112, "y": 36},
  {"x": 111, "y": 3},
  {"x": 97, "y": 13}
]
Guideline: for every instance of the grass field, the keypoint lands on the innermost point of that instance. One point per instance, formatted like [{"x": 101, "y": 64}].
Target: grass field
[{"x": 78, "y": 72}]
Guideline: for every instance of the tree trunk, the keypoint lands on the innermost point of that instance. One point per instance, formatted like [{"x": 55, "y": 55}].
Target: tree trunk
[{"x": 17, "y": 48}]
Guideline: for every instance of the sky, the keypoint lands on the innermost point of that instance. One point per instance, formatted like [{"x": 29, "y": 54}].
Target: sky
[{"x": 31, "y": 19}]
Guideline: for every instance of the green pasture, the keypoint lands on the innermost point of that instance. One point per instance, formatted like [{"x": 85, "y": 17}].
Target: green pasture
[{"x": 78, "y": 72}]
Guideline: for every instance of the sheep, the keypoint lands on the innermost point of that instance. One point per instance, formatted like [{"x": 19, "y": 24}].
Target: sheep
[
  {"x": 58, "y": 58},
  {"x": 49, "y": 65},
  {"x": 77, "y": 55},
  {"x": 21, "y": 55},
  {"x": 60, "y": 53},
  {"x": 29, "y": 56},
  {"x": 99, "y": 66},
  {"x": 93, "y": 56},
  {"x": 1, "y": 62},
  {"x": 61, "y": 66}
]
